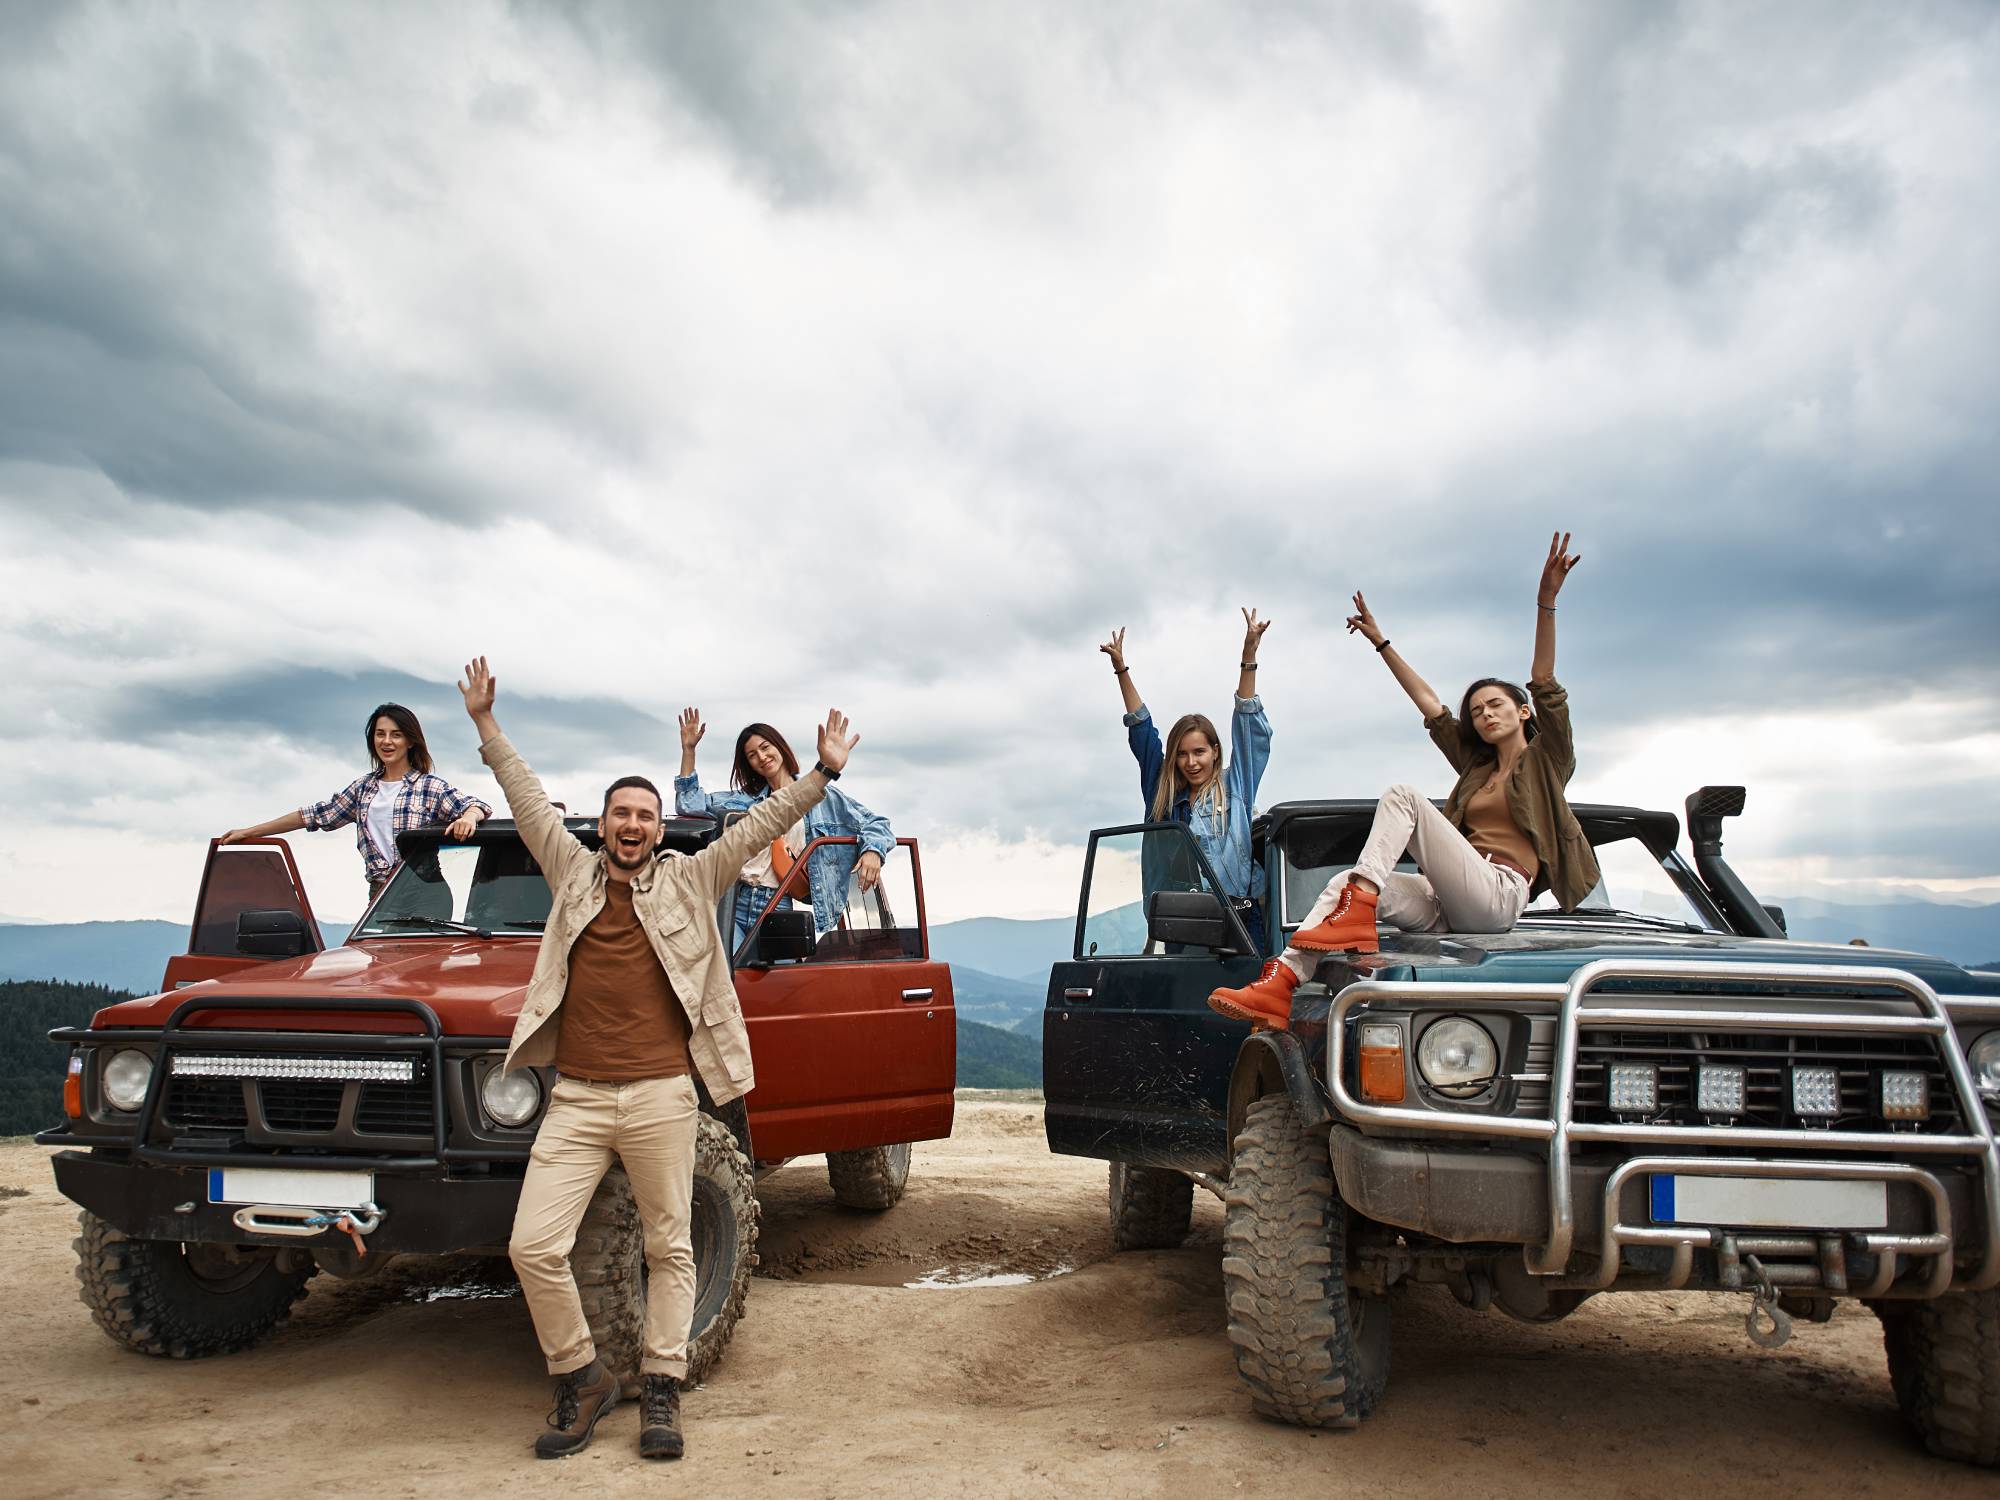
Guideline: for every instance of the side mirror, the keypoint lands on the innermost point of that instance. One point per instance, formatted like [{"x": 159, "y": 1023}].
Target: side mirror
[
  {"x": 271, "y": 934},
  {"x": 1777, "y": 914},
  {"x": 1194, "y": 919},
  {"x": 783, "y": 937}
]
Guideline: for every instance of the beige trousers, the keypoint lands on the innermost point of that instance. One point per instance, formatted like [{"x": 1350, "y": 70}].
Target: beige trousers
[
  {"x": 649, "y": 1126},
  {"x": 1459, "y": 889}
]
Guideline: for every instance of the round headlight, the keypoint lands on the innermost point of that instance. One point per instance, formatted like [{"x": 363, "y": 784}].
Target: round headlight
[
  {"x": 1985, "y": 1060},
  {"x": 126, "y": 1075},
  {"x": 1457, "y": 1056},
  {"x": 511, "y": 1098}
]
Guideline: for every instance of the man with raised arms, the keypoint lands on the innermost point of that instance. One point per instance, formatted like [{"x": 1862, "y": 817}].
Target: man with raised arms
[{"x": 631, "y": 996}]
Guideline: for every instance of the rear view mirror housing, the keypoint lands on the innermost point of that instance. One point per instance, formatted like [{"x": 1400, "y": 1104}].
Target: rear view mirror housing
[
  {"x": 1192, "y": 919},
  {"x": 272, "y": 934},
  {"x": 783, "y": 937}
]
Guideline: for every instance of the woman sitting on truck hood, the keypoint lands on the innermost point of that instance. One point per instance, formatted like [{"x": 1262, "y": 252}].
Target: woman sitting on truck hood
[
  {"x": 1506, "y": 832},
  {"x": 763, "y": 764},
  {"x": 400, "y": 794},
  {"x": 1188, "y": 782}
]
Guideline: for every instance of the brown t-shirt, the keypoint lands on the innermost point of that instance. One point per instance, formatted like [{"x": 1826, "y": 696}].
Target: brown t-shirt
[
  {"x": 620, "y": 1018},
  {"x": 1488, "y": 825}
]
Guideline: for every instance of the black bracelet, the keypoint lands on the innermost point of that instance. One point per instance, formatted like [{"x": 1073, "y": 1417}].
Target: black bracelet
[
  {"x": 826, "y": 771},
  {"x": 1383, "y": 647},
  {"x": 1120, "y": 672},
  {"x": 1249, "y": 666},
  {"x": 1549, "y": 607}
]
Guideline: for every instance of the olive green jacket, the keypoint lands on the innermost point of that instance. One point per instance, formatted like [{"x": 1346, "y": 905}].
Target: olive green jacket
[
  {"x": 1534, "y": 792},
  {"x": 674, "y": 896}
]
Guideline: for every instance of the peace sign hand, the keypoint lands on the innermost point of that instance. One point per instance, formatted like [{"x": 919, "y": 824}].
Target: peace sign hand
[
  {"x": 692, "y": 729},
  {"x": 1555, "y": 570},
  {"x": 1253, "y": 633},
  {"x": 1115, "y": 647},
  {"x": 1362, "y": 623}
]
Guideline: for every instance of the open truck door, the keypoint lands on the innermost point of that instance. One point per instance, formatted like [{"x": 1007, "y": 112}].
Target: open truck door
[
  {"x": 853, "y": 1030},
  {"x": 252, "y": 908}
]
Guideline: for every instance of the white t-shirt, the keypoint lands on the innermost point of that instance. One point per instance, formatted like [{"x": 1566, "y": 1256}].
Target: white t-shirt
[
  {"x": 757, "y": 868},
  {"x": 382, "y": 817}
]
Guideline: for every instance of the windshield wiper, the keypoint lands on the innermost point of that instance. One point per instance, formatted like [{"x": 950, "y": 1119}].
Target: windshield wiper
[
  {"x": 1670, "y": 924},
  {"x": 433, "y": 924}
]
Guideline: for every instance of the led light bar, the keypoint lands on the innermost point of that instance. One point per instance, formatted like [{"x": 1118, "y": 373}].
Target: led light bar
[
  {"x": 1719, "y": 1090},
  {"x": 1816, "y": 1092},
  {"x": 337, "y": 1069},
  {"x": 1634, "y": 1089},
  {"x": 1905, "y": 1095}
]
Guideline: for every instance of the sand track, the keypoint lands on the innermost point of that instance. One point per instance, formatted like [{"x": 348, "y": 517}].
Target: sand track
[{"x": 1110, "y": 1375}]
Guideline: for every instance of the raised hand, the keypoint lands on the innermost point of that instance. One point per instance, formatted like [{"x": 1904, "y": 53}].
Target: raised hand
[
  {"x": 1555, "y": 570},
  {"x": 834, "y": 740},
  {"x": 478, "y": 687},
  {"x": 1115, "y": 648},
  {"x": 692, "y": 729},
  {"x": 1362, "y": 623},
  {"x": 1253, "y": 633}
]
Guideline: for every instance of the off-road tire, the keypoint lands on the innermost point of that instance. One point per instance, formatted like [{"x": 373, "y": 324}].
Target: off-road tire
[
  {"x": 1944, "y": 1365},
  {"x": 1313, "y": 1353},
  {"x": 150, "y": 1297},
  {"x": 609, "y": 1261},
  {"x": 1151, "y": 1208},
  {"x": 873, "y": 1179}
]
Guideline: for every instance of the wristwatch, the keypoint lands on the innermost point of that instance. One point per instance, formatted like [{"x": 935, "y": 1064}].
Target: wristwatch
[{"x": 828, "y": 772}]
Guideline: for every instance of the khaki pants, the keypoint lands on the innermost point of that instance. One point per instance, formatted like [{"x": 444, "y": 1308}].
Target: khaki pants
[
  {"x": 650, "y": 1127},
  {"x": 1459, "y": 889}
]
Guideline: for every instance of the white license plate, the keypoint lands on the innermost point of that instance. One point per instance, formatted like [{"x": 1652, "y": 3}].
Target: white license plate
[
  {"x": 1768, "y": 1202},
  {"x": 290, "y": 1188}
]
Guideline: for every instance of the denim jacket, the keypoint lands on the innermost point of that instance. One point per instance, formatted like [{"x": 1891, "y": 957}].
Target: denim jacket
[
  {"x": 838, "y": 816},
  {"x": 1225, "y": 839}
]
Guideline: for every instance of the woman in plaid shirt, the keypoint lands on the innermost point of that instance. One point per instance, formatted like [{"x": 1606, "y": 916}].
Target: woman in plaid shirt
[{"x": 398, "y": 795}]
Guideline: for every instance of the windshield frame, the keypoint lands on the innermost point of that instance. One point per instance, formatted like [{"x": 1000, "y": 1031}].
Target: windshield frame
[{"x": 409, "y": 928}]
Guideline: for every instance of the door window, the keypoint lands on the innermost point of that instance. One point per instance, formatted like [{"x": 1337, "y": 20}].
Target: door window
[
  {"x": 870, "y": 926},
  {"x": 240, "y": 878},
  {"x": 1127, "y": 866}
]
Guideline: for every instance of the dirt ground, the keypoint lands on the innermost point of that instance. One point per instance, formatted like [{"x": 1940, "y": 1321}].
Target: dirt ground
[{"x": 1104, "y": 1376}]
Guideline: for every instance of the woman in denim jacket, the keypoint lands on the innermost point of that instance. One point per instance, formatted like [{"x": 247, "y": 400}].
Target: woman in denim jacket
[
  {"x": 1186, "y": 781},
  {"x": 763, "y": 764}
]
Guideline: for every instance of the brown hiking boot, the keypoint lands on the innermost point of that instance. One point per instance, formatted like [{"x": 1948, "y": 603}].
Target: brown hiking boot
[
  {"x": 582, "y": 1396},
  {"x": 660, "y": 1418},
  {"x": 1268, "y": 1002},
  {"x": 1350, "y": 926}
]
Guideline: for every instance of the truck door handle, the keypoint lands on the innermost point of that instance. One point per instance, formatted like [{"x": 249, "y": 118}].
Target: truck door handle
[
  {"x": 915, "y": 995},
  {"x": 1079, "y": 992}
]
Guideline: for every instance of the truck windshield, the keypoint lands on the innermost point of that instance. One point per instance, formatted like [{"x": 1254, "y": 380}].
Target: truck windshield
[
  {"x": 1635, "y": 887},
  {"x": 492, "y": 887}
]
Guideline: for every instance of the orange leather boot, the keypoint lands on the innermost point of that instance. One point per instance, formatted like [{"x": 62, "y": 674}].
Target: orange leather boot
[
  {"x": 1349, "y": 927},
  {"x": 1267, "y": 1002}
]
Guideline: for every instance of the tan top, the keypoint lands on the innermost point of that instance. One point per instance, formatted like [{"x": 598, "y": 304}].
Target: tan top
[
  {"x": 675, "y": 898},
  {"x": 620, "y": 1019},
  {"x": 1490, "y": 828},
  {"x": 1536, "y": 800}
]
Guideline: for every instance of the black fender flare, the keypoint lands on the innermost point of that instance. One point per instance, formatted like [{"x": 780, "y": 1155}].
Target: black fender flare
[{"x": 1273, "y": 1062}]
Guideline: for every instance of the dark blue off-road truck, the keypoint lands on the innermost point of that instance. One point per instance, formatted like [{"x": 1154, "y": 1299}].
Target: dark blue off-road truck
[{"x": 1654, "y": 1091}]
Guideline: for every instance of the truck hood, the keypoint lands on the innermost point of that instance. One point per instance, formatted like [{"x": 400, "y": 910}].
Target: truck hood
[
  {"x": 1541, "y": 955},
  {"x": 475, "y": 986}
]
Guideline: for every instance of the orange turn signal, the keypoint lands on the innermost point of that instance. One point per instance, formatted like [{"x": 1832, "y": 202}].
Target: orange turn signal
[
  {"x": 73, "y": 1088},
  {"x": 1382, "y": 1071}
]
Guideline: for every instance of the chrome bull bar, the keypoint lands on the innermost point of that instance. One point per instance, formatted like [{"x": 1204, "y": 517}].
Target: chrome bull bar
[{"x": 1559, "y": 1130}]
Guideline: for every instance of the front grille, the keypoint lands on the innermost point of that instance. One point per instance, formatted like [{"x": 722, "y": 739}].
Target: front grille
[
  {"x": 297, "y": 1106},
  {"x": 205, "y": 1104},
  {"x": 1767, "y": 1059},
  {"x": 395, "y": 1108}
]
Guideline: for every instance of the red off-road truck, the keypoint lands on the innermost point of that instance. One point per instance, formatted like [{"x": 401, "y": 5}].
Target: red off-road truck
[{"x": 283, "y": 1108}]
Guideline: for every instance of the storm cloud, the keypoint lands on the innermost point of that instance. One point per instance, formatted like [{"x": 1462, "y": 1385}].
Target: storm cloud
[{"x": 888, "y": 355}]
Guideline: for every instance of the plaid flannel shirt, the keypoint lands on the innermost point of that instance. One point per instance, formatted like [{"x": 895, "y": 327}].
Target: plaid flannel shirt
[{"x": 421, "y": 802}]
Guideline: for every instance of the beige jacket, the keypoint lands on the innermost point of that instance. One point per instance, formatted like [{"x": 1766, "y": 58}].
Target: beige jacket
[{"x": 675, "y": 897}]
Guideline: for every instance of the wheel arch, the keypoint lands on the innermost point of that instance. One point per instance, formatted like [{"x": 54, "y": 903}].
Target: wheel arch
[{"x": 1274, "y": 1062}]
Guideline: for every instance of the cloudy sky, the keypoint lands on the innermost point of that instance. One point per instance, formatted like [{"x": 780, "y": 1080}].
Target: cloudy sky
[{"x": 766, "y": 356}]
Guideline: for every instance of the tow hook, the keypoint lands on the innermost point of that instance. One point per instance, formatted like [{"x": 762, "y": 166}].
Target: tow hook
[
  {"x": 352, "y": 1222},
  {"x": 1764, "y": 1299}
]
